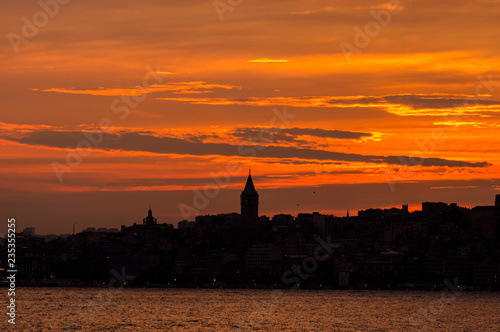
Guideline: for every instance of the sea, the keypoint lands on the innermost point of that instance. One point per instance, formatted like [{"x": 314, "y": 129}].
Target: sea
[{"x": 175, "y": 309}]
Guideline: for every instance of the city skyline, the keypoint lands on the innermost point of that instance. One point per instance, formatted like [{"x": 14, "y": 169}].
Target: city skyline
[
  {"x": 249, "y": 202},
  {"x": 335, "y": 106},
  {"x": 222, "y": 165},
  {"x": 392, "y": 249}
]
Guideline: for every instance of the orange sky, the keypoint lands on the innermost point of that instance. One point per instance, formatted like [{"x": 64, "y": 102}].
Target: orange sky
[{"x": 108, "y": 106}]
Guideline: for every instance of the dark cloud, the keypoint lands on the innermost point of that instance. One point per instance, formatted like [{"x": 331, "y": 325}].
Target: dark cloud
[
  {"x": 439, "y": 102},
  {"x": 340, "y": 134},
  {"x": 276, "y": 135},
  {"x": 170, "y": 145}
]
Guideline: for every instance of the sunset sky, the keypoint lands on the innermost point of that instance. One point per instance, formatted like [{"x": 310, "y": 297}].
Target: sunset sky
[{"x": 109, "y": 106}]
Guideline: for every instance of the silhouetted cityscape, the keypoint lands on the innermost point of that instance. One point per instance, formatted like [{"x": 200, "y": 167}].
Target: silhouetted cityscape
[{"x": 377, "y": 249}]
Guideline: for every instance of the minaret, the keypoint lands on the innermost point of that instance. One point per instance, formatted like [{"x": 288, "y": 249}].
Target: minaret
[
  {"x": 149, "y": 220},
  {"x": 249, "y": 203}
]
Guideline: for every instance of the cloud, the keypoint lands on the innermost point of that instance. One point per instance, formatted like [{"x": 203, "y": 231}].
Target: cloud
[
  {"x": 474, "y": 124},
  {"x": 291, "y": 134},
  {"x": 317, "y": 11},
  {"x": 267, "y": 60},
  {"x": 318, "y": 132},
  {"x": 195, "y": 87},
  {"x": 403, "y": 104},
  {"x": 11, "y": 130},
  {"x": 454, "y": 187},
  {"x": 12, "y": 127},
  {"x": 136, "y": 142}
]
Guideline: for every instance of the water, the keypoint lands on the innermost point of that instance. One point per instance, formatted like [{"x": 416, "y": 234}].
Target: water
[{"x": 73, "y": 309}]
